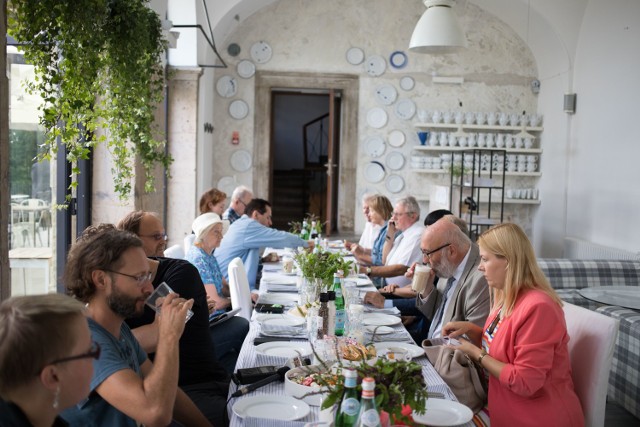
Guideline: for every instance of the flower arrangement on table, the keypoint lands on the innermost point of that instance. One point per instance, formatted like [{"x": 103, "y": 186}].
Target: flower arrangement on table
[
  {"x": 400, "y": 385},
  {"x": 295, "y": 227},
  {"x": 321, "y": 264}
]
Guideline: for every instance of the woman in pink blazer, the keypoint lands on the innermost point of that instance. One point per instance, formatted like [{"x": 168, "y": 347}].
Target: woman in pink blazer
[{"x": 523, "y": 345}]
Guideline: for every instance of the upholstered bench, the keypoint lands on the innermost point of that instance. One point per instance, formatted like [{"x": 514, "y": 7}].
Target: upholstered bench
[{"x": 567, "y": 277}]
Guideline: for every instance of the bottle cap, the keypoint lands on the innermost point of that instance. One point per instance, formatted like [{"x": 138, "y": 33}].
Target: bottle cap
[
  {"x": 368, "y": 383},
  {"x": 324, "y": 297},
  {"x": 350, "y": 373},
  {"x": 332, "y": 295}
]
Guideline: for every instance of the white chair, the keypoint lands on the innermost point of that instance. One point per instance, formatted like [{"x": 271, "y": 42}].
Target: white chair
[
  {"x": 175, "y": 251},
  {"x": 592, "y": 337},
  {"x": 188, "y": 242},
  {"x": 239, "y": 288}
]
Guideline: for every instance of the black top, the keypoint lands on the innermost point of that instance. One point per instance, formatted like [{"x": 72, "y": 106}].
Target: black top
[
  {"x": 198, "y": 363},
  {"x": 12, "y": 416}
]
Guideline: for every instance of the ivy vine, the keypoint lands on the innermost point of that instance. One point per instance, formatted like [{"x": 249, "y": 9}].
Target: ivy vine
[{"x": 98, "y": 65}]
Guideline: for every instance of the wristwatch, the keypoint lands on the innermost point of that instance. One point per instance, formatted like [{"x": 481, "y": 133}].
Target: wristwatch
[{"x": 368, "y": 270}]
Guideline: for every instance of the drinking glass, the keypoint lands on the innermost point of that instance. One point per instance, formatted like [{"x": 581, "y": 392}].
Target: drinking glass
[{"x": 157, "y": 296}]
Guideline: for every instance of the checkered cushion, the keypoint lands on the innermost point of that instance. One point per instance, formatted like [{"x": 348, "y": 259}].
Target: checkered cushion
[
  {"x": 624, "y": 382},
  {"x": 578, "y": 274},
  {"x": 572, "y": 296}
]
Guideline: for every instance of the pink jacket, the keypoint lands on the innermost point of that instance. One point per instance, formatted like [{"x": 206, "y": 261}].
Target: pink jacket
[{"x": 535, "y": 387}]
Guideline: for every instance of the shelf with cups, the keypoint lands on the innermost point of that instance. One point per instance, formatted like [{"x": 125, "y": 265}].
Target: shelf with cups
[
  {"x": 463, "y": 128},
  {"x": 448, "y": 148},
  {"x": 419, "y": 170}
]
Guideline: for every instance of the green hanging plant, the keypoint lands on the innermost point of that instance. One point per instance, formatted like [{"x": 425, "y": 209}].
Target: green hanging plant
[{"x": 98, "y": 65}]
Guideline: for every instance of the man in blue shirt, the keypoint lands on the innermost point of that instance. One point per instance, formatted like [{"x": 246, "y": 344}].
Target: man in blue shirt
[
  {"x": 108, "y": 270},
  {"x": 249, "y": 235}
]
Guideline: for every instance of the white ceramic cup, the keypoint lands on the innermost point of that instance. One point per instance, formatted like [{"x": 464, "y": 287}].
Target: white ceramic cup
[{"x": 287, "y": 264}]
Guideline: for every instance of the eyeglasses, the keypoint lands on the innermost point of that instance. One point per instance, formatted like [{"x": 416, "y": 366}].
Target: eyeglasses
[
  {"x": 93, "y": 353},
  {"x": 140, "y": 280},
  {"x": 156, "y": 236},
  {"x": 427, "y": 254}
]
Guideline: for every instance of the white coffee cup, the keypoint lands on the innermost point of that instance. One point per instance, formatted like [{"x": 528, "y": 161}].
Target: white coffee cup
[
  {"x": 420, "y": 277},
  {"x": 287, "y": 264}
]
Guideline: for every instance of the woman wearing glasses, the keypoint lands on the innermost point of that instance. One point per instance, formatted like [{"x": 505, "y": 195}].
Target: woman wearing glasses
[
  {"x": 523, "y": 345},
  {"x": 46, "y": 356}
]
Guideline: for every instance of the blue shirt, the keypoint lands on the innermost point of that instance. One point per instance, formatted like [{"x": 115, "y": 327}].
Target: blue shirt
[
  {"x": 245, "y": 238},
  {"x": 115, "y": 355},
  {"x": 207, "y": 267}
]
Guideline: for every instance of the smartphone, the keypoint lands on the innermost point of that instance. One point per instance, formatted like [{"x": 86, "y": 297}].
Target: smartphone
[
  {"x": 269, "y": 308},
  {"x": 251, "y": 375}
]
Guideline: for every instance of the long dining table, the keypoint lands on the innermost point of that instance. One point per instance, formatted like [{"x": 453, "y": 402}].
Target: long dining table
[{"x": 270, "y": 292}]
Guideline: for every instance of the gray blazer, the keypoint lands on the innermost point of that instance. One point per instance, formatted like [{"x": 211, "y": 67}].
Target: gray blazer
[{"x": 470, "y": 299}]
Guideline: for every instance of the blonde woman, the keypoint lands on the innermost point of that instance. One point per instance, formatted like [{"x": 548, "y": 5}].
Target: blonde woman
[
  {"x": 46, "y": 356},
  {"x": 523, "y": 345}
]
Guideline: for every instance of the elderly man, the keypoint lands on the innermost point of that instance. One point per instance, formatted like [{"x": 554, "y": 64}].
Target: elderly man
[
  {"x": 108, "y": 270},
  {"x": 248, "y": 235},
  {"x": 240, "y": 198},
  {"x": 405, "y": 248}
]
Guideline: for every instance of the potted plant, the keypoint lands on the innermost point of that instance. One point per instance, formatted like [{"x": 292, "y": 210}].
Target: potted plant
[{"x": 321, "y": 265}]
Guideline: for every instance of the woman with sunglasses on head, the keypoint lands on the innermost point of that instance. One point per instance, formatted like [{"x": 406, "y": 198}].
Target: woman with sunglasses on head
[
  {"x": 523, "y": 345},
  {"x": 46, "y": 356}
]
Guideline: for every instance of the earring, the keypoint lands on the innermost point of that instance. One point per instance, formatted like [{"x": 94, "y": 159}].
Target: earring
[{"x": 56, "y": 397}]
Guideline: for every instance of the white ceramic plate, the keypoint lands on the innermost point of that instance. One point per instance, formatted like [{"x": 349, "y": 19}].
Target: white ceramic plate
[
  {"x": 386, "y": 94},
  {"x": 405, "y": 109},
  {"x": 238, "y": 109},
  {"x": 284, "y": 408},
  {"x": 246, "y": 69},
  {"x": 396, "y": 138},
  {"x": 281, "y": 298},
  {"x": 413, "y": 349},
  {"x": 227, "y": 184},
  {"x": 441, "y": 412},
  {"x": 241, "y": 160},
  {"x": 395, "y": 160},
  {"x": 261, "y": 52},
  {"x": 374, "y": 172},
  {"x": 284, "y": 348},
  {"x": 226, "y": 86},
  {"x": 394, "y": 183},
  {"x": 280, "y": 320},
  {"x": 355, "y": 56},
  {"x": 380, "y": 319},
  {"x": 377, "y": 117},
  {"x": 374, "y": 146},
  {"x": 407, "y": 83},
  {"x": 375, "y": 65},
  {"x": 380, "y": 330}
]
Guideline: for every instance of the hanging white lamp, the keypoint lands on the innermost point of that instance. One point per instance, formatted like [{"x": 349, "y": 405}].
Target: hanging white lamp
[{"x": 438, "y": 30}]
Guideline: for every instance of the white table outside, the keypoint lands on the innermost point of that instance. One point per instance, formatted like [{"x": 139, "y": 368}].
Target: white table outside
[{"x": 32, "y": 258}]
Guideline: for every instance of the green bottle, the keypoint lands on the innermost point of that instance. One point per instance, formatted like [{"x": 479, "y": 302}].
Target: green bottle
[
  {"x": 369, "y": 415},
  {"x": 349, "y": 407},
  {"x": 340, "y": 312}
]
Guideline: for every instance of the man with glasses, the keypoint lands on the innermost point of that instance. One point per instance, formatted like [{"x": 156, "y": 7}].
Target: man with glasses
[
  {"x": 108, "y": 270},
  {"x": 462, "y": 292},
  {"x": 204, "y": 350},
  {"x": 240, "y": 198},
  {"x": 405, "y": 249},
  {"x": 248, "y": 236},
  {"x": 148, "y": 227}
]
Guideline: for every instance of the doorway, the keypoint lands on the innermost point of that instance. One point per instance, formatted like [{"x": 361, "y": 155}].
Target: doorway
[
  {"x": 345, "y": 107},
  {"x": 306, "y": 152}
]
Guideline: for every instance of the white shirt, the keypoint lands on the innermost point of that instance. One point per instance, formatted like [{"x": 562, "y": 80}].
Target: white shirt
[
  {"x": 369, "y": 235},
  {"x": 405, "y": 251},
  {"x": 437, "y": 332}
]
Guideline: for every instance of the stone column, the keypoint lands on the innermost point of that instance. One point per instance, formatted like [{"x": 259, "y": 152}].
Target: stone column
[{"x": 182, "y": 137}]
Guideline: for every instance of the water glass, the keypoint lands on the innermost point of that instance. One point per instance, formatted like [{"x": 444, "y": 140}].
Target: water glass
[{"x": 155, "y": 299}]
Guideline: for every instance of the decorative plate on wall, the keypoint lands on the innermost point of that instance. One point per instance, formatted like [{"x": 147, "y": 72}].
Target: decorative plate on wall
[
  {"x": 238, "y": 109},
  {"x": 374, "y": 146},
  {"x": 405, "y": 109},
  {"x": 377, "y": 117},
  {"x": 396, "y": 138},
  {"x": 394, "y": 183},
  {"x": 246, "y": 69},
  {"x": 241, "y": 160},
  {"x": 386, "y": 94},
  {"x": 226, "y": 86},
  {"x": 398, "y": 59},
  {"x": 227, "y": 184},
  {"x": 375, "y": 65},
  {"x": 374, "y": 172},
  {"x": 407, "y": 83},
  {"x": 395, "y": 160},
  {"x": 261, "y": 52},
  {"x": 355, "y": 56}
]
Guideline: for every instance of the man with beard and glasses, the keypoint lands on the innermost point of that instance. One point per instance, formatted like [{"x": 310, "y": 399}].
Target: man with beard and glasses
[
  {"x": 462, "y": 292},
  {"x": 108, "y": 270}
]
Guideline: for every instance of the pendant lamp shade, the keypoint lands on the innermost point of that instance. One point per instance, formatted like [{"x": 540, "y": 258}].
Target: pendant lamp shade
[{"x": 438, "y": 30}]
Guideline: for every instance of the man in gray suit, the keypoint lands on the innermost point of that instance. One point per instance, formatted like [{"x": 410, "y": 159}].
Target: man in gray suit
[{"x": 462, "y": 292}]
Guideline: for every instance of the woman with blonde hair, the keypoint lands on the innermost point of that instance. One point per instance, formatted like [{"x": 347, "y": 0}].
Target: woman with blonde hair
[
  {"x": 380, "y": 210},
  {"x": 46, "y": 357},
  {"x": 523, "y": 345}
]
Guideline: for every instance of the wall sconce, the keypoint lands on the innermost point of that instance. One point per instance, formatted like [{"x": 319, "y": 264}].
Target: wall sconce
[{"x": 438, "y": 30}]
